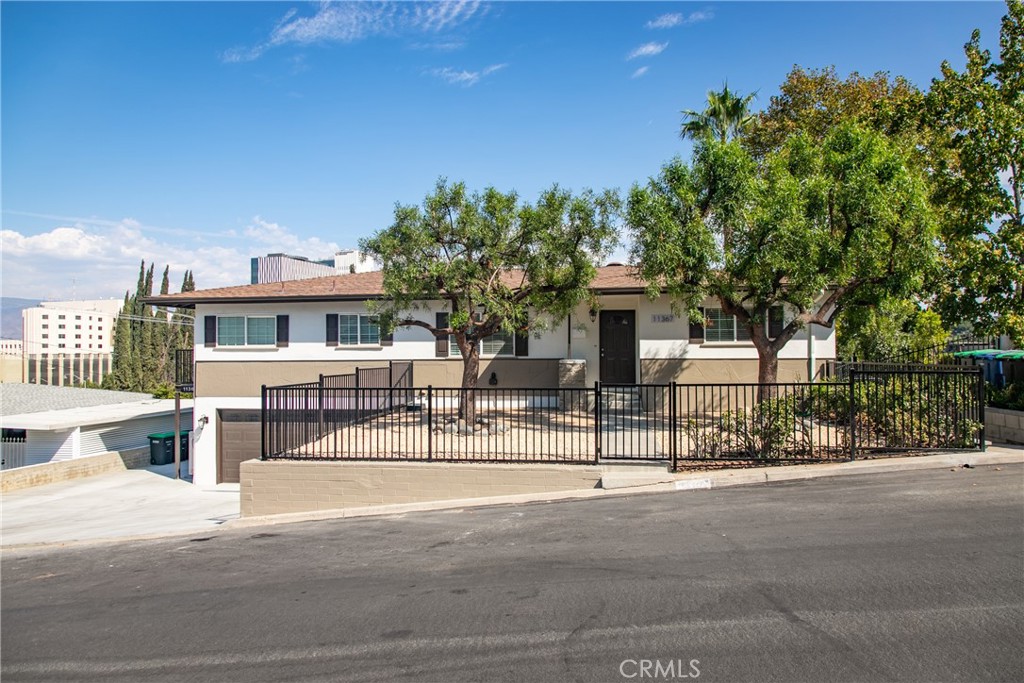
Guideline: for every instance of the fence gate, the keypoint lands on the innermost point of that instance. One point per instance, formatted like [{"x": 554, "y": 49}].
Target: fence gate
[
  {"x": 916, "y": 408},
  {"x": 634, "y": 421}
]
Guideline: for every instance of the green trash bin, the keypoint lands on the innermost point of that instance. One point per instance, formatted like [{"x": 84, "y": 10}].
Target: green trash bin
[{"x": 161, "y": 447}]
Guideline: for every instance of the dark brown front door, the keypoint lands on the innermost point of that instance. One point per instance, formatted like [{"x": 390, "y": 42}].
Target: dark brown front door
[{"x": 618, "y": 347}]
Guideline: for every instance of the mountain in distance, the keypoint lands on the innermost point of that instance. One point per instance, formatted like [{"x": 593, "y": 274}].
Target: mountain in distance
[{"x": 10, "y": 315}]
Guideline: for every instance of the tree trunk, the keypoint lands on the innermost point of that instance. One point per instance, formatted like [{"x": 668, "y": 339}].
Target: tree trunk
[
  {"x": 470, "y": 375},
  {"x": 767, "y": 371}
]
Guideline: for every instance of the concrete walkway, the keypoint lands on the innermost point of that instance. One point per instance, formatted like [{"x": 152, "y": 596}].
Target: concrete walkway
[
  {"x": 149, "y": 503},
  {"x": 134, "y": 503}
]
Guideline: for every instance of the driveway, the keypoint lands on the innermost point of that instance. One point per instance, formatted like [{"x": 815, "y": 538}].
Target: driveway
[{"x": 111, "y": 506}]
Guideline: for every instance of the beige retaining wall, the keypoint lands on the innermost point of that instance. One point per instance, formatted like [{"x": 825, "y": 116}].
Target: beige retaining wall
[
  {"x": 1004, "y": 425},
  {"x": 279, "y": 486},
  {"x": 77, "y": 468}
]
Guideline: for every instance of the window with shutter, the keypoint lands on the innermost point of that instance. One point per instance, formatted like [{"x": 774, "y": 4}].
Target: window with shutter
[
  {"x": 697, "y": 329},
  {"x": 441, "y": 341}
]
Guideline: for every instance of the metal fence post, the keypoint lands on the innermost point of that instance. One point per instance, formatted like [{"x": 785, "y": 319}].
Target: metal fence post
[
  {"x": 673, "y": 429},
  {"x": 981, "y": 408},
  {"x": 263, "y": 422},
  {"x": 853, "y": 418},
  {"x": 597, "y": 421},
  {"x": 430, "y": 422},
  {"x": 320, "y": 407}
]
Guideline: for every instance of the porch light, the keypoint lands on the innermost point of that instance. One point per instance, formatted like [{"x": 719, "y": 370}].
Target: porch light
[{"x": 593, "y": 315}]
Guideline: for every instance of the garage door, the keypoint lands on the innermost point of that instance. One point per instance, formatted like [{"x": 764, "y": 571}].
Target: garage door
[{"x": 239, "y": 440}]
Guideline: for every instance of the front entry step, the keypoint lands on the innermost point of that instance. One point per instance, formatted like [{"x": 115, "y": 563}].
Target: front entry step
[{"x": 628, "y": 476}]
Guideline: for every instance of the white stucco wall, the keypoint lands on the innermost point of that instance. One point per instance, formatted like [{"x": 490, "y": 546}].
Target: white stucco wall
[{"x": 577, "y": 337}]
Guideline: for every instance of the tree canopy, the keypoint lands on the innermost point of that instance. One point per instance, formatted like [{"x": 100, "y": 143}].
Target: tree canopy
[
  {"x": 726, "y": 116},
  {"x": 815, "y": 226},
  {"x": 145, "y": 340},
  {"x": 815, "y": 101},
  {"x": 978, "y": 184},
  {"x": 496, "y": 262}
]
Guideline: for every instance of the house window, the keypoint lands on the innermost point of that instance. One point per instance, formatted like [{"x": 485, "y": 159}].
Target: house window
[
  {"x": 500, "y": 343},
  {"x": 246, "y": 331},
  {"x": 60, "y": 327},
  {"x": 46, "y": 317},
  {"x": 45, "y": 326},
  {"x": 358, "y": 329},
  {"x": 721, "y": 327},
  {"x": 60, "y": 317},
  {"x": 46, "y": 336},
  {"x": 78, "y": 317}
]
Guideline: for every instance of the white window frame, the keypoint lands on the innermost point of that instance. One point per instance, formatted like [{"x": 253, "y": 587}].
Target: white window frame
[
  {"x": 360, "y": 317},
  {"x": 736, "y": 339},
  {"x": 245, "y": 341},
  {"x": 453, "y": 348}
]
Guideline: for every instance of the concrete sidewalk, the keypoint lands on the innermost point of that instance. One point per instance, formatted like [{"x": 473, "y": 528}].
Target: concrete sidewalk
[
  {"x": 133, "y": 503},
  {"x": 148, "y": 503}
]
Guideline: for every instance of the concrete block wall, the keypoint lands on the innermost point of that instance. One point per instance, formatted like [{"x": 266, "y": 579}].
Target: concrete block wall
[
  {"x": 279, "y": 486},
  {"x": 64, "y": 470},
  {"x": 1004, "y": 425},
  {"x": 75, "y": 468}
]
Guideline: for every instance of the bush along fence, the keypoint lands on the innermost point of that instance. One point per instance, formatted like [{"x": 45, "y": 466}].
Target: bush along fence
[{"x": 871, "y": 411}]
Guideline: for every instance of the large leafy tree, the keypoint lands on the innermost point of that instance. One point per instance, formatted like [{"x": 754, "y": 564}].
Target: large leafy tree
[
  {"x": 726, "y": 116},
  {"x": 495, "y": 262},
  {"x": 978, "y": 169},
  {"x": 814, "y": 101},
  {"x": 815, "y": 227}
]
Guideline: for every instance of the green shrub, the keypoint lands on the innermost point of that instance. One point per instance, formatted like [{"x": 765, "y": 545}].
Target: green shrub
[{"x": 1010, "y": 397}]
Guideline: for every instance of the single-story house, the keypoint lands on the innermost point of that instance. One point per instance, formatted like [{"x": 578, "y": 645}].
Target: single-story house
[
  {"x": 291, "y": 332},
  {"x": 44, "y": 424}
]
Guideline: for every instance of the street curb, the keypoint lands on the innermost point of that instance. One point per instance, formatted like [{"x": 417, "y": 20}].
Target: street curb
[
  {"x": 1001, "y": 455},
  {"x": 685, "y": 481}
]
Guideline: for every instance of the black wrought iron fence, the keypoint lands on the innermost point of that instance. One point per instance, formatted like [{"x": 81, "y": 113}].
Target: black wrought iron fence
[
  {"x": 296, "y": 418},
  {"x": 871, "y": 410}
]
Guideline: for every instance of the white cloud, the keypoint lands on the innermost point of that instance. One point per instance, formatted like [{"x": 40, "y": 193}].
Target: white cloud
[
  {"x": 640, "y": 72},
  {"x": 463, "y": 77},
  {"x": 666, "y": 21},
  {"x": 674, "y": 19},
  {"x": 347, "y": 22},
  {"x": 439, "y": 45},
  {"x": 102, "y": 260},
  {"x": 647, "y": 50}
]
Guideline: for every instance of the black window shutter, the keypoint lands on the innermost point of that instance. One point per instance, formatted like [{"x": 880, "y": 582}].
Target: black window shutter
[
  {"x": 282, "y": 330},
  {"x": 776, "y": 321},
  {"x": 522, "y": 344},
  {"x": 441, "y": 343},
  {"x": 697, "y": 329},
  {"x": 332, "y": 329},
  {"x": 210, "y": 330}
]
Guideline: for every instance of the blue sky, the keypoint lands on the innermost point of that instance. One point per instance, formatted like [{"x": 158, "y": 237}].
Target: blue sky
[{"x": 200, "y": 134}]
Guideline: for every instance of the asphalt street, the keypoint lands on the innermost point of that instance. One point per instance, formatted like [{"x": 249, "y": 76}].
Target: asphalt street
[{"x": 902, "y": 576}]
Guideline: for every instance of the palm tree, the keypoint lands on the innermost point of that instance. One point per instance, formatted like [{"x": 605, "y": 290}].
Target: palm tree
[{"x": 727, "y": 115}]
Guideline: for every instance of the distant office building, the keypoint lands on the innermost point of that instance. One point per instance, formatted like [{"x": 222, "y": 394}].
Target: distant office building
[
  {"x": 11, "y": 347},
  {"x": 353, "y": 261},
  {"x": 282, "y": 267},
  {"x": 67, "y": 343},
  {"x": 79, "y": 327}
]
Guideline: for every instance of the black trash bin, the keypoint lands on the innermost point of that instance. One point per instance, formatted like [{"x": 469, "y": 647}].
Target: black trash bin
[{"x": 161, "y": 447}]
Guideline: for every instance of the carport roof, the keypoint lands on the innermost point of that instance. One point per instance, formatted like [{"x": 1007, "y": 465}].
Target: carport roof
[{"x": 34, "y": 406}]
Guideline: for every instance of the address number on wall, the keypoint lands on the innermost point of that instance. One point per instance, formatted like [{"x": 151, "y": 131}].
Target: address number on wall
[{"x": 663, "y": 318}]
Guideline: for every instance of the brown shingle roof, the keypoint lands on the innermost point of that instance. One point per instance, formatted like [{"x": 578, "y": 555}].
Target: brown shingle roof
[{"x": 354, "y": 287}]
